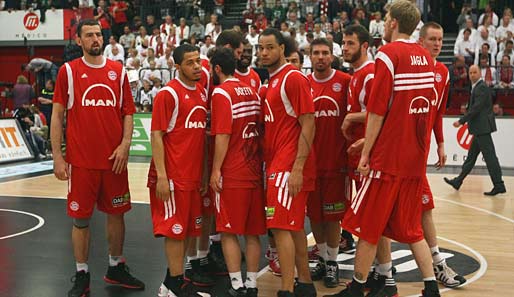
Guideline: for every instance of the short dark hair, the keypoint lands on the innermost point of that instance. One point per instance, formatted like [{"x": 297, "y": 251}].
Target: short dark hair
[
  {"x": 361, "y": 32},
  {"x": 230, "y": 37},
  {"x": 467, "y": 30},
  {"x": 224, "y": 57},
  {"x": 86, "y": 22},
  {"x": 322, "y": 41},
  {"x": 486, "y": 44},
  {"x": 254, "y": 27},
  {"x": 289, "y": 43},
  {"x": 179, "y": 52},
  {"x": 509, "y": 42}
]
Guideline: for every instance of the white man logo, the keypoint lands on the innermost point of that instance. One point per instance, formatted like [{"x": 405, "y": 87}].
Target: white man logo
[
  {"x": 419, "y": 105},
  {"x": 194, "y": 124},
  {"x": 268, "y": 117},
  {"x": 250, "y": 130},
  {"x": 326, "y": 108},
  {"x": 107, "y": 102}
]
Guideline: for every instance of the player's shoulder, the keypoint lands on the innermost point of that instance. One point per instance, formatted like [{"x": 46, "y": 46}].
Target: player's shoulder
[
  {"x": 342, "y": 76},
  {"x": 440, "y": 67}
]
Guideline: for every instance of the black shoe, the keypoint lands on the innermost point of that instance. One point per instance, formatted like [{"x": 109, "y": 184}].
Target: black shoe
[
  {"x": 285, "y": 294},
  {"x": 120, "y": 275},
  {"x": 319, "y": 271},
  {"x": 241, "y": 292},
  {"x": 304, "y": 290},
  {"x": 331, "y": 279},
  {"x": 496, "y": 190},
  {"x": 345, "y": 293},
  {"x": 425, "y": 293},
  {"x": 347, "y": 243},
  {"x": 372, "y": 282},
  {"x": 80, "y": 282},
  {"x": 197, "y": 275},
  {"x": 217, "y": 265},
  {"x": 190, "y": 290},
  {"x": 453, "y": 182},
  {"x": 431, "y": 289},
  {"x": 252, "y": 292},
  {"x": 382, "y": 290}
]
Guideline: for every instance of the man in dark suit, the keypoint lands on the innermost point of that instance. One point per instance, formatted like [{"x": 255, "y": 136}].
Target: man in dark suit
[{"x": 481, "y": 124}]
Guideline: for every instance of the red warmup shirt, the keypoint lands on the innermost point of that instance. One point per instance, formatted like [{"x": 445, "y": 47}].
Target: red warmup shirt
[
  {"x": 97, "y": 98},
  {"x": 442, "y": 86},
  {"x": 119, "y": 16},
  {"x": 181, "y": 111},
  {"x": 250, "y": 77},
  {"x": 358, "y": 96},
  {"x": 406, "y": 73},
  {"x": 288, "y": 96},
  {"x": 330, "y": 103},
  {"x": 236, "y": 110}
]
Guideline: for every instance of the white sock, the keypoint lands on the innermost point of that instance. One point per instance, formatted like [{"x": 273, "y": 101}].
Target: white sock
[
  {"x": 215, "y": 237},
  {"x": 429, "y": 279},
  {"x": 332, "y": 253},
  {"x": 82, "y": 266},
  {"x": 191, "y": 258},
  {"x": 202, "y": 254},
  {"x": 236, "y": 279},
  {"x": 436, "y": 255},
  {"x": 115, "y": 260},
  {"x": 385, "y": 269},
  {"x": 322, "y": 247},
  {"x": 251, "y": 280}
]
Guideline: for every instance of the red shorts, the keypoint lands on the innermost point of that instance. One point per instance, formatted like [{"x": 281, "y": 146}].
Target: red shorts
[
  {"x": 178, "y": 217},
  {"x": 356, "y": 177},
  {"x": 241, "y": 211},
  {"x": 328, "y": 201},
  {"x": 386, "y": 205},
  {"x": 208, "y": 207},
  {"x": 89, "y": 186},
  {"x": 427, "y": 199}
]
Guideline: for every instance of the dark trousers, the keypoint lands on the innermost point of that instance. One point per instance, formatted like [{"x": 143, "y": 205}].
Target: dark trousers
[{"x": 482, "y": 144}]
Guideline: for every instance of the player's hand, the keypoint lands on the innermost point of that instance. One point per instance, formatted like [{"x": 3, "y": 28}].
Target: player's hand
[
  {"x": 295, "y": 182},
  {"x": 60, "y": 168},
  {"x": 162, "y": 190},
  {"x": 356, "y": 147},
  {"x": 345, "y": 128},
  {"x": 456, "y": 124},
  {"x": 216, "y": 181},
  {"x": 120, "y": 157},
  {"x": 442, "y": 157},
  {"x": 364, "y": 165}
]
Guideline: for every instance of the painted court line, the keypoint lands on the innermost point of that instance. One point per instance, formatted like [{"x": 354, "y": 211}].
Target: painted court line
[{"x": 40, "y": 223}]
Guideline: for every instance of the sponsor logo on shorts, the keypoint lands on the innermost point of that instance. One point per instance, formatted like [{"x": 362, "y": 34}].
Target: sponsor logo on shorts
[
  {"x": 425, "y": 199},
  {"x": 270, "y": 212},
  {"x": 177, "y": 229},
  {"x": 333, "y": 207},
  {"x": 206, "y": 202},
  {"x": 74, "y": 205},
  {"x": 198, "y": 222},
  {"x": 119, "y": 201}
]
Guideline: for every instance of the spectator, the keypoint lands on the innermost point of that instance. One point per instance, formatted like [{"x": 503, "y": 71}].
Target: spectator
[
  {"x": 128, "y": 39},
  {"x": 136, "y": 24},
  {"x": 279, "y": 13},
  {"x": 152, "y": 41},
  {"x": 216, "y": 32},
  {"x": 162, "y": 61},
  {"x": 485, "y": 52},
  {"x": 136, "y": 65},
  {"x": 26, "y": 119},
  {"x": 22, "y": 92},
  {"x": 159, "y": 47},
  {"x": 145, "y": 94},
  {"x": 118, "y": 10},
  {"x": 463, "y": 109},
  {"x": 150, "y": 23},
  {"x": 488, "y": 73},
  {"x": 102, "y": 14},
  {"x": 484, "y": 38},
  {"x": 489, "y": 12},
  {"x": 505, "y": 74},
  {"x": 465, "y": 47},
  {"x": 197, "y": 29},
  {"x": 166, "y": 26},
  {"x": 156, "y": 86},
  {"x": 361, "y": 19},
  {"x": 293, "y": 21},
  {"x": 207, "y": 45},
  {"x": 150, "y": 56},
  {"x": 293, "y": 9},
  {"x": 326, "y": 26},
  {"x": 374, "y": 6},
  {"x": 474, "y": 33},
  {"x": 310, "y": 7},
  {"x": 43, "y": 68},
  {"x": 284, "y": 29},
  {"x": 46, "y": 100},
  {"x": 182, "y": 30},
  {"x": 309, "y": 22},
  {"x": 171, "y": 40},
  {"x": 116, "y": 55},
  {"x": 498, "y": 110},
  {"x": 503, "y": 31},
  {"x": 153, "y": 74},
  {"x": 301, "y": 37},
  {"x": 253, "y": 37},
  {"x": 113, "y": 43},
  {"x": 487, "y": 25},
  {"x": 336, "y": 47},
  {"x": 458, "y": 74},
  {"x": 69, "y": 4},
  {"x": 508, "y": 50},
  {"x": 376, "y": 26},
  {"x": 40, "y": 126},
  {"x": 135, "y": 85},
  {"x": 465, "y": 15},
  {"x": 142, "y": 37},
  {"x": 132, "y": 54},
  {"x": 344, "y": 19},
  {"x": 317, "y": 31},
  {"x": 210, "y": 27},
  {"x": 261, "y": 23},
  {"x": 168, "y": 75}
]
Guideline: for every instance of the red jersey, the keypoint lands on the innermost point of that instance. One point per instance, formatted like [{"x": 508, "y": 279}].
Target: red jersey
[
  {"x": 402, "y": 97},
  {"x": 330, "y": 109},
  {"x": 119, "y": 16},
  {"x": 250, "y": 77},
  {"x": 442, "y": 86},
  {"x": 236, "y": 110},
  {"x": 358, "y": 95},
  {"x": 97, "y": 97},
  {"x": 181, "y": 111},
  {"x": 205, "y": 79},
  {"x": 288, "y": 96}
]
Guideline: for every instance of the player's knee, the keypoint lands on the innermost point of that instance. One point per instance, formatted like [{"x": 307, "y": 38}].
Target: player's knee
[{"x": 81, "y": 223}]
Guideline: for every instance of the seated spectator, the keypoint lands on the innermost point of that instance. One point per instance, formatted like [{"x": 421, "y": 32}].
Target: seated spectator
[
  {"x": 150, "y": 56},
  {"x": 152, "y": 41},
  {"x": 152, "y": 74},
  {"x": 113, "y": 43},
  {"x": 293, "y": 9},
  {"x": 485, "y": 38},
  {"x": 301, "y": 36},
  {"x": 132, "y": 54},
  {"x": 216, "y": 32},
  {"x": 336, "y": 32},
  {"x": 156, "y": 86},
  {"x": 46, "y": 100},
  {"x": 376, "y": 26},
  {"x": 197, "y": 28},
  {"x": 143, "y": 36},
  {"x": 474, "y": 33},
  {"x": 292, "y": 21},
  {"x": 326, "y": 26},
  {"x": 128, "y": 39},
  {"x": 261, "y": 22},
  {"x": 463, "y": 109},
  {"x": 309, "y": 22},
  {"x": 207, "y": 45},
  {"x": 253, "y": 37},
  {"x": 22, "y": 93},
  {"x": 361, "y": 19},
  {"x": 159, "y": 47},
  {"x": 317, "y": 31},
  {"x": 336, "y": 47},
  {"x": 165, "y": 27},
  {"x": 505, "y": 74},
  {"x": 344, "y": 19},
  {"x": 26, "y": 120},
  {"x": 491, "y": 14},
  {"x": 458, "y": 74},
  {"x": 171, "y": 40},
  {"x": 502, "y": 32},
  {"x": 168, "y": 74},
  {"x": 40, "y": 126},
  {"x": 488, "y": 72},
  {"x": 488, "y": 26},
  {"x": 465, "y": 47},
  {"x": 145, "y": 94},
  {"x": 284, "y": 29},
  {"x": 210, "y": 27},
  {"x": 508, "y": 50},
  {"x": 310, "y": 7},
  {"x": 162, "y": 60},
  {"x": 498, "y": 110},
  {"x": 115, "y": 55},
  {"x": 135, "y": 84},
  {"x": 182, "y": 31},
  {"x": 466, "y": 13},
  {"x": 485, "y": 52},
  {"x": 150, "y": 23}
]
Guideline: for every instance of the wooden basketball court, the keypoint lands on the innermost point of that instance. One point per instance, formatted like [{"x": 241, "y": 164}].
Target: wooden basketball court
[{"x": 467, "y": 222}]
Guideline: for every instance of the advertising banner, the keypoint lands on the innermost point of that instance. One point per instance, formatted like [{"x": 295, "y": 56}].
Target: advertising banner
[
  {"x": 20, "y": 24},
  {"x": 141, "y": 136},
  {"x": 12, "y": 143}
]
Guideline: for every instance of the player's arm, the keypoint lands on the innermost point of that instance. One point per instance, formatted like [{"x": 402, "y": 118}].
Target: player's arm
[
  {"x": 162, "y": 188},
  {"x": 373, "y": 127},
  {"x": 351, "y": 118},
  {"x": 305, "y": 140},
  {"x": 121, "y": 153},
  {"x": 220, "y": 152},
  {"x": 438, "y": 129},
  {"x": 43, "y": 100},
  {"x": 56, "y": 127}
]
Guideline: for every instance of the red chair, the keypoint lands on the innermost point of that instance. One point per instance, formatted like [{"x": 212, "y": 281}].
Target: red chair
[
  {"x": 458, "y": 98},
  {"x": 505, "y": 98}
]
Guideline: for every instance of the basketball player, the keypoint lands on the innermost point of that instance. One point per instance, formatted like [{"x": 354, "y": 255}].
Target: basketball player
[
  {"x": 290, "y": 165},
  {"x": 326, "y": 205},
  {"x": 237, "y": 171},
  {"x": 390, "y": 161},
  {"x": 244, "y": 72},
  {"x": 95, "y": 94},
  {"x": 178, "y": 134}
]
